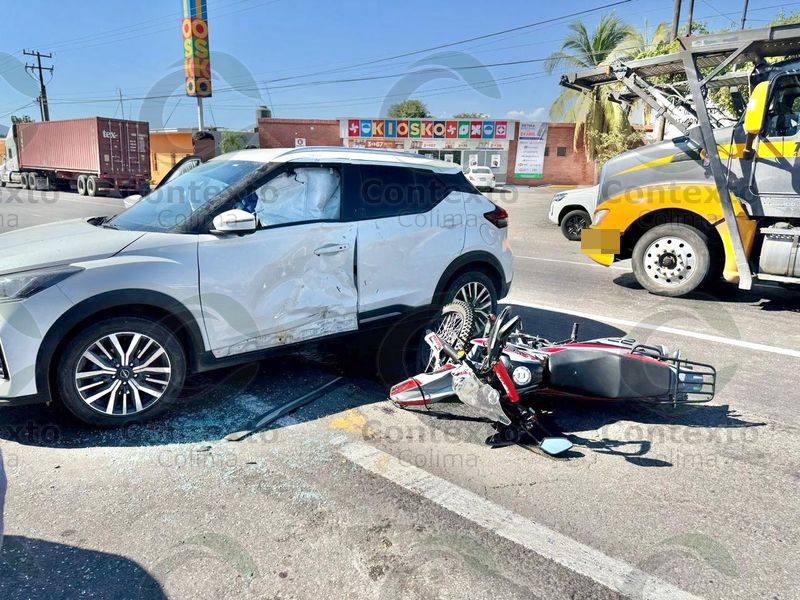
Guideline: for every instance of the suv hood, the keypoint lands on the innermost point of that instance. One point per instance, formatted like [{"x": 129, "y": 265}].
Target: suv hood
[{"x": 60, "y": 243}]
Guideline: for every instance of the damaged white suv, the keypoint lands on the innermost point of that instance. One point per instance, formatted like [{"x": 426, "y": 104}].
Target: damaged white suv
[{"x": 251, "y": 252}]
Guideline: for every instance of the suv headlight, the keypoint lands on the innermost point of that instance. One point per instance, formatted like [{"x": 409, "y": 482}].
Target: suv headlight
[
  {"x": 16, "y": 286},
  {"x": 559, "y": 197}
]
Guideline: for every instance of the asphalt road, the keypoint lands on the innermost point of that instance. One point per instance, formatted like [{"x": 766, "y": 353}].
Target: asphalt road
[{"x": 349, "y": 497}]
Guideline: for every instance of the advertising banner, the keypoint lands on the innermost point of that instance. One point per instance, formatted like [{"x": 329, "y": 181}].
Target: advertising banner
[
  {"x": 426, "y": 129},
  {"x": 530, "y": 151},
  {"x": 196, "y": 56}
]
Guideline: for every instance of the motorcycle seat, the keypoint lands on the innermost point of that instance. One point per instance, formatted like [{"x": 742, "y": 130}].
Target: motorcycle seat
[{"x": 597, "y": 373}]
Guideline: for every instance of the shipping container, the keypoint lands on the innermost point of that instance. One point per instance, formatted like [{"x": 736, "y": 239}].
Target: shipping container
[{"x": 89, "y": 155}]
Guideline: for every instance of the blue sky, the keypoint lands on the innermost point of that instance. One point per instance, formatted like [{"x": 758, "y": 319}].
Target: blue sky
[{"x": 104, "y": 47}]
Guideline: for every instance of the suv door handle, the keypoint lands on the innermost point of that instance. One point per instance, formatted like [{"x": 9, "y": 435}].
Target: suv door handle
[{"x": 331, "y": 249}]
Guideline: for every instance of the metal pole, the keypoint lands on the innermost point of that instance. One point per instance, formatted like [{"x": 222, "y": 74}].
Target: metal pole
[
  {"x": 690, "y": 17},
  {"x": 676, "y": 17},
  {"x": 693, "y": 78},
  {"x": 744, "y": 13},
  {"x": 661, "y": 124},
  {"x": 200, "y": 123}
]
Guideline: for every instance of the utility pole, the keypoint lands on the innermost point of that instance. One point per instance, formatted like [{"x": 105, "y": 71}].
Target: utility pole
[
  {"x": 44, "y": 108},
  {"x": 690, "y": 17},
  {"x": 121, "y": 104},
  {"x": 661, "y": 124},
  {"x": 676, "y": 17},
  {"x": 744, "y": 13}
]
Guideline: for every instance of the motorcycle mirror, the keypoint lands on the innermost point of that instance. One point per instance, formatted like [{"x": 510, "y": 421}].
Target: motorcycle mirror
[{"x": 555, "y": 445}]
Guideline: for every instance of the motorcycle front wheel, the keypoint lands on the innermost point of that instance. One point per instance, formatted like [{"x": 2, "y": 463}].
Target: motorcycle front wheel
[{"x": 453, "y": 325}]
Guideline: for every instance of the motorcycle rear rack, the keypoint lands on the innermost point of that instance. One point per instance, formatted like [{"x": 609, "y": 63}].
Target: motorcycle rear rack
[{"x": 696, "y": 383}]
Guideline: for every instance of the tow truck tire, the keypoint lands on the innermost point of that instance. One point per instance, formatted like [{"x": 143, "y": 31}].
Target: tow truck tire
[
  {"x": 573, "y": 223},
  {"x": 81, "y": 185},
  {"x": 672, "y": 260},
  {"x": 91, "y": 186}
]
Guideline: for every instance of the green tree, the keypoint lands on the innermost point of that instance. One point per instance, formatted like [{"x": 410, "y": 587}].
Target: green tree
[
  {"x": 409, "y": 109},
  {"x": 592, "y": 112},
  {"x": 22, "y": 119},
  {"x": 232, "y": 141},
  {"x": 470, "y": 115}
]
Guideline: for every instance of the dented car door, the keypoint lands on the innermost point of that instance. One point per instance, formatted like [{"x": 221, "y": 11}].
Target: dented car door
[{"x": 292, "y": 279}]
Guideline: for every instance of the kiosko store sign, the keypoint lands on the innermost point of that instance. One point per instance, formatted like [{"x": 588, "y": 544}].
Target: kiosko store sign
[{"x": 430, "y": 129}]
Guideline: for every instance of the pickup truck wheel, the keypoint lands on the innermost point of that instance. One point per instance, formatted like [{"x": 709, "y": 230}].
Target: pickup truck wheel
[
  {"x": 81, "y": 185},
  {"x": 121, "y": 371},
  {"x": 91, "y": 186},
  {"x": 476, "y": 290},
  {"x": 672, "y": 260},
  {"x": 573, "y": 223}
]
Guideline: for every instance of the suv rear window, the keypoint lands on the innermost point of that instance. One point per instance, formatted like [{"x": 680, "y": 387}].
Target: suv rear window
[{"x": 388, "y": 191}]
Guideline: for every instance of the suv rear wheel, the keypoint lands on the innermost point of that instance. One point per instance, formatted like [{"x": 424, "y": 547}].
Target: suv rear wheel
[
  {"x": 477, "y": 291},
  {"x": 121, "y": 371}
]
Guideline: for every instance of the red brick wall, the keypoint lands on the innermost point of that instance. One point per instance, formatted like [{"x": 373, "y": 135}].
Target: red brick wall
[
  {"x": 572, "y": 169},
  {"x": 281, "y": 133}
]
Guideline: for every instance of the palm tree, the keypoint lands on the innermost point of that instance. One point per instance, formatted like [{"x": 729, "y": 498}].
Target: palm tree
[{"x": 592, "y": 112}]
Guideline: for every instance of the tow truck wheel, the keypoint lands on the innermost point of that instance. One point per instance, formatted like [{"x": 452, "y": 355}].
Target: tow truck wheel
[{"x": 672, "y": 260}]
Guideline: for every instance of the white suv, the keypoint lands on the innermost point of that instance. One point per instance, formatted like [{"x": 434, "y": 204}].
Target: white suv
[{"x": 251, "y": 252}]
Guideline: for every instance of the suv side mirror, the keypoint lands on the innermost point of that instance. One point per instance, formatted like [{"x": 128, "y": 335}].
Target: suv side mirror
[
  {"x": 234, "y": 221},
  {"x": 756, "y": 109}
]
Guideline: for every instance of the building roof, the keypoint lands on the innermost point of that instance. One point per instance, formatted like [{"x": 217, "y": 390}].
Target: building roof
[{"x": 338, "y": 154}]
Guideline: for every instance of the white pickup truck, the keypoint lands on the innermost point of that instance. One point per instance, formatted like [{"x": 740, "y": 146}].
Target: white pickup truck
[{"x": 572, "y": 210}]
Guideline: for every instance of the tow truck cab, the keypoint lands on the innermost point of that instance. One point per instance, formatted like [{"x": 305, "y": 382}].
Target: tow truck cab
[{"x": 660, "y": 204}]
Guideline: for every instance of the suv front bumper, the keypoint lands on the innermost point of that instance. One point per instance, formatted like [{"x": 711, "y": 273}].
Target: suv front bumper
[{"x": 23, "y": 326}]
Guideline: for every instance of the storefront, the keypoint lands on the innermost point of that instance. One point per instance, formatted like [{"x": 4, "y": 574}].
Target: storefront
[
  {"x": 528, "y": 154},
  {"x": 468, "y": 143}
]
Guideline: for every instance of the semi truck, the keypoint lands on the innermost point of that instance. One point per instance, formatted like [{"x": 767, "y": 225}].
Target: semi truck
[
  {"x": 90, "y": 156},
  {"x": 715, "y": 201}
]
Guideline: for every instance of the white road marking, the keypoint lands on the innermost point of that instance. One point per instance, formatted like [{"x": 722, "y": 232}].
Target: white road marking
[
  {"x": 663, "y": 329},
  {"x": 613, "y": 574},
  {"x": 588, "y": 263}
]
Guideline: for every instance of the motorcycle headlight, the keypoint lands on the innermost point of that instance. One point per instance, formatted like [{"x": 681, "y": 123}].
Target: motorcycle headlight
[
  {"x": 522, "y": 375},
  {"x": 16, "y": 286}
]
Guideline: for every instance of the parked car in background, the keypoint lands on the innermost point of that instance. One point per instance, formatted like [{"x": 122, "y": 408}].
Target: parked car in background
[
  {"x": 481, "y": 177},
  {"x": 252, "y": 252},
  {"x": 572, "y": 210}
]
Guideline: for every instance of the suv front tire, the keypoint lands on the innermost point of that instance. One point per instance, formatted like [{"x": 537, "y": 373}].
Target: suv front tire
[{"x": 120, "y": 371}]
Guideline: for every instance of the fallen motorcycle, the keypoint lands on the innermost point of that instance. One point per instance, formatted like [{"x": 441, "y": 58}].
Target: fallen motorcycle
[{"x": 506, "y": 374}]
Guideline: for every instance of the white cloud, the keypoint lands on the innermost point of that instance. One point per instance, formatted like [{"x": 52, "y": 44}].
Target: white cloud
[{"x": 537, "y": 114}]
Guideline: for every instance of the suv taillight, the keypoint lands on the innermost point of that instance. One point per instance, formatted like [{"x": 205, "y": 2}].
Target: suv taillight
[{"x": 498, "y": 217}]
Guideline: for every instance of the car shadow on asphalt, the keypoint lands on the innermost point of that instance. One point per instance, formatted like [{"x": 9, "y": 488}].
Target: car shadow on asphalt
[
  {"x": 28, "y": 567},
  {"x": 766, "y": 297}
]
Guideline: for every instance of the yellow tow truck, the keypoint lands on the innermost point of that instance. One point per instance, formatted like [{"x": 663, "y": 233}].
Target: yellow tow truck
[{"x": 716, "y": 201}]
